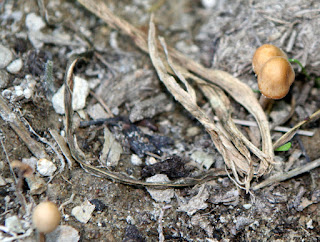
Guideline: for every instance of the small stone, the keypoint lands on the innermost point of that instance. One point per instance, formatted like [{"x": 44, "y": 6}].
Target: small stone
[
  {"x": 83, "y": 212},
  {"x": 36, "y": 184},
  {"x": 146, "y": 108},
  {"x": 111, "y": 150},
  {"x": 18, "y": 91},
  {"x": 133, "y": 234},
  {"x": 309, "y": 224},
  {"x": 99, "y": 205},
  {"x": 15, "y": 66},
  {"x": 34, "y": 22},
  {"x": 203, "y": 158},
  {"x": 160, "y": 195},
  {"x": 79, "y": 96},
  {"x": 5, "y": 56},
  {"x": 2, "y": 181},
  {"x": 193, "y": 131},
  {"x": 151, "y": 161},
  {"x": 208, "y": 3},
  {"x": 130, "y": 220},
  {"x": 97, "y": 112},
  {"x": 64, "y": 233},
  {"x": 247, "y": 206},
  {"x": 135, "y": 160},
  {"x": 316, "y": 196},
  {"x": 27, "y": 93},
  {"x": 304, "y": 203},
  {"x": 14, "y": 225},
  {"x": 32, "y": 162},
  {"x": 195, "y": 203},
  {"x": 4, "y": 79},
  {"x": 46, "y": 167},
  {"x": 242, "y": 221}
]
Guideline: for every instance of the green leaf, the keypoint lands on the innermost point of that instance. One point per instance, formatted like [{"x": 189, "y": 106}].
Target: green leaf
[{"x": 284, "y": 147}]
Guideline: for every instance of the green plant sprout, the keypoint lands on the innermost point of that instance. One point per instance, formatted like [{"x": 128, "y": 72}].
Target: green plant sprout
[
  {"x": 284, "y": 147},
  {"x": 317, "y": 81},
  {"x": 303, "y": 70}
]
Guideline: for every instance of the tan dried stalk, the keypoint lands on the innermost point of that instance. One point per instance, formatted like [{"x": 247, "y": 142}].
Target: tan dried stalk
[
  {"x": 228, "y": 140},
  {"x": 236, "y": 157}
]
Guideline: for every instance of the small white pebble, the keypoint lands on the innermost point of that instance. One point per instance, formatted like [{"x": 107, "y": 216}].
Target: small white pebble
[
  {"x": 34, "y": 22},
  {"x": 150, "y": 161},
  {"x": 208, "y": 3},
  {"x": 64, "y": 233},
  {"x": 46, "y": 167},
  {"x": 83, "y": 212},
  {"x": 247, "y": 206},
  {"x": 28, "y": 93},
  {"x": 135, "y": 160},
  {"x": 2, "y": 181},
  {"x": 80, "y": 92},
  {"x": 5, "y": 56},
  {"x": 15, "y": 66},
  {"x": 222, "y": 219},
  {"x": 309, "y": 224}
]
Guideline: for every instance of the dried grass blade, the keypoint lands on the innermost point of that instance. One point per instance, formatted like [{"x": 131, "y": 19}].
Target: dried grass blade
[
  {"x": 232, "y": 157},
  {"x": 238, "y": 90},
  {"x": 221, "y": 106},
  {"x": 282, "y": 176},
  {"x": 288, "y": 136}
]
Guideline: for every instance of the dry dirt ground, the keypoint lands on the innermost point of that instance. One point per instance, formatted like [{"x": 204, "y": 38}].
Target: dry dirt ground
[{"x": 221, "y": 34}]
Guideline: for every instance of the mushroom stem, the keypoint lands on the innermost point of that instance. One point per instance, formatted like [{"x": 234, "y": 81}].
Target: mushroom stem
[
  {"x": 264, "y": 101},
  {"x": 41, "y": 237}
]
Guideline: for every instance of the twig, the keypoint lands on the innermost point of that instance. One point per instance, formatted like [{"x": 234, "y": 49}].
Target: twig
[
  {"x": 287, "y": 175},
  {"x": 18, "y": 237},
  {"x": 8, "y": 161},
  {"x": 63, "y": 147},
  {"x": 277, "y": 128},
  {"x": 7, "y": 115},
  {"x": 287, "y": 136},
  {"x": 242, "y": 122},
  {"x": 160, "y": 227},
  {"x": 45, "y": 141},
  {"x": 102, "y": 103},
  {"x": 70, "y": 200}
]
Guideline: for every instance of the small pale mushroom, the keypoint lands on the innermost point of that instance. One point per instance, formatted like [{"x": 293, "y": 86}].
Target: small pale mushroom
[{"x": 46, "y": 218}]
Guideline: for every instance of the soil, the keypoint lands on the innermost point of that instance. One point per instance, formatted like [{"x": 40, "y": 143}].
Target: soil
[{"x": 222, "y": 36}]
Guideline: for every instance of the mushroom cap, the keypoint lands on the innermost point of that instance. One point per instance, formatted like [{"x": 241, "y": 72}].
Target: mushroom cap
[
  {"x": 263, "y": 54},
  {"x": 46, "y": 217},
  {"x": 276, "y": 77}
]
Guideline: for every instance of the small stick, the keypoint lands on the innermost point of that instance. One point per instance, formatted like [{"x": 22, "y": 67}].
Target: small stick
[
  {"x": 102, "y": 103},
  {"x": 8, "y": 116},
  {"x": 282, "y": 176}
]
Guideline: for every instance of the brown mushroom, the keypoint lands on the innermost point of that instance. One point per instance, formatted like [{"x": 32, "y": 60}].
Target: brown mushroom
[
  {"x": 274, "y": 71},
  {"x": 263, "y": 54},
  {"x": 275, "y": 78}
]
